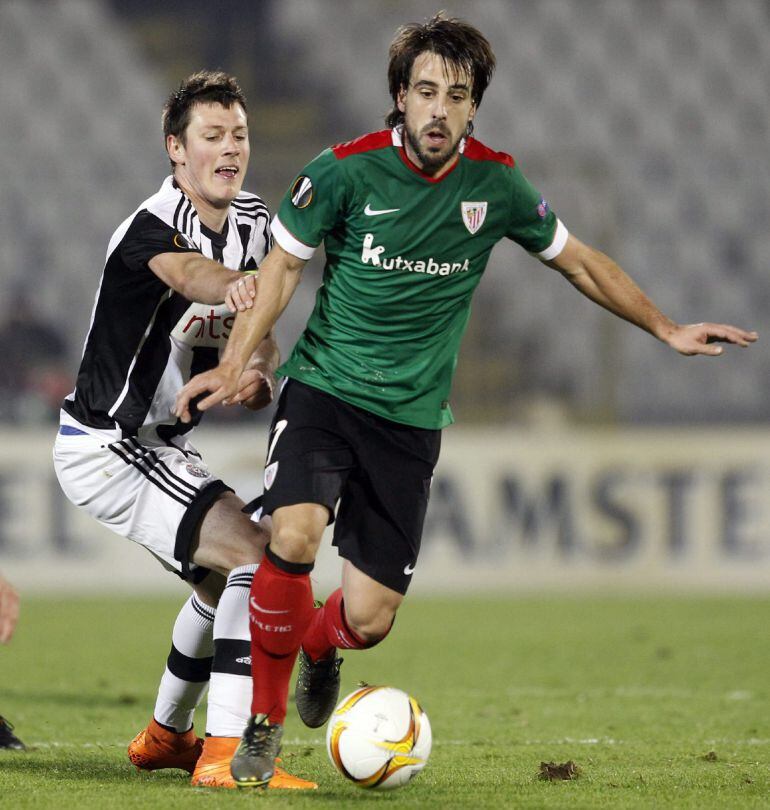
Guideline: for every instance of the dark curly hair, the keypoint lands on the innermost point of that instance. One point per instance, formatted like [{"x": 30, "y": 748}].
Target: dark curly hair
[
  {"x": 205, "y": 86},
  {"x": 457, "y": 42}
]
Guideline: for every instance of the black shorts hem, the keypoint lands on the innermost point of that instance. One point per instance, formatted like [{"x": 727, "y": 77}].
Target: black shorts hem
[
  {"x": 188, "y": 527},
  {"x": 398, "y": 583},
  {"x": 268, "y": 505}
]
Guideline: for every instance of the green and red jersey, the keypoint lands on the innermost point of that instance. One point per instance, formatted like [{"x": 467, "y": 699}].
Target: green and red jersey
[{"x": 404, "y": 253}]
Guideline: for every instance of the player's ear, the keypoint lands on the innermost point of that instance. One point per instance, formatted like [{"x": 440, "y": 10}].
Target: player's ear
[
  {"x": 175, "y": 149},
  {"x": 472, "y": 113},
  {"x": 400, "y": 99}
]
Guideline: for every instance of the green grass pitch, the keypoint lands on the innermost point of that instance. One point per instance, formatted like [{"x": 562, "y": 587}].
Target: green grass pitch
[{"x": 661, "y": 702}]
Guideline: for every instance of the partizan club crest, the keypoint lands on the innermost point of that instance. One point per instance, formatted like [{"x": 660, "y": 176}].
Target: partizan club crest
[{"x": 474, "y": 214}]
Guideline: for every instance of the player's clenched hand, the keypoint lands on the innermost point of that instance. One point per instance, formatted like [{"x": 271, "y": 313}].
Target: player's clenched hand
[
  {"x": 255, "y": 389},
  {"x": 241, "y": 293},
  {"x": 699, "y": 338},
  {"x": 219, "y": 383},
  {"x": 9, "y": 610}
]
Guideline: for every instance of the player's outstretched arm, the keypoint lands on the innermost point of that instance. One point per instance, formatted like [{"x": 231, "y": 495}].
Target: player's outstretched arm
[
  {"x": 279, "y": 275},
  {"x": 9, "y": 610},
  {"x": 602, "y": 280},
  {"x": 204, "y": 281}
]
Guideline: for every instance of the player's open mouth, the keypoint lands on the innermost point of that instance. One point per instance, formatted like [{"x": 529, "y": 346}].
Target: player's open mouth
[
  {"x": 436, "y": 137},
  {"x": 227, "y": 171}
]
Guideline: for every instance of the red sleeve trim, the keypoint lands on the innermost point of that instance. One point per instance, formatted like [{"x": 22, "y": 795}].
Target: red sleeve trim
[
  {"x": 365, "y": 143},
  {"x": 475, "y": 150}
]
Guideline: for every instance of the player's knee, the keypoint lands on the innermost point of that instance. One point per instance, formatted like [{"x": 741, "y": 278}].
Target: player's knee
[{"x": 294, "y": 543}]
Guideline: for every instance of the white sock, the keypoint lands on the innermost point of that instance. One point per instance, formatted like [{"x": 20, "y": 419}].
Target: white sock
[
  {"x": 188, "y": 667},
  {"x": 229, "y": 702}
]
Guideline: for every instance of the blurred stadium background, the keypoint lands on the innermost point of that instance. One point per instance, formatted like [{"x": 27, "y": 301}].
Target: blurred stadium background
[{"x": 586, "y": 453}]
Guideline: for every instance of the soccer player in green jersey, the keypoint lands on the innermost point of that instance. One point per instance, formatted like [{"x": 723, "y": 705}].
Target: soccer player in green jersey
[{"x": 408, "y": 217}]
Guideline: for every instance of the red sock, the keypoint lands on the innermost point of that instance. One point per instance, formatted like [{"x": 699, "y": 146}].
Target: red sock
[
  {"x": 329, "y": 629},
  {"x": 280, "y": 610}
]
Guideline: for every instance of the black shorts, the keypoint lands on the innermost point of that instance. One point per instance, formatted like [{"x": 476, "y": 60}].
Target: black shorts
[{"x": 323, "y": 450}]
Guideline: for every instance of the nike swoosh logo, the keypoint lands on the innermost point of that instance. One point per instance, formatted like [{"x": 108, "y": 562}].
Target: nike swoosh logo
[
  {"x": 371, "y": 212},
  {"x": 255, "y": 606},
  {"x": 409, "y": 570}
]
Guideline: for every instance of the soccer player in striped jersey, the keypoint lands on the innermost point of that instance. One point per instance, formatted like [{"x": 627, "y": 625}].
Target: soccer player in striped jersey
[
  {"x": 175, "y": 272},
  {"x": 408, "y": 217},
  {"x": 9, "y": 615}
]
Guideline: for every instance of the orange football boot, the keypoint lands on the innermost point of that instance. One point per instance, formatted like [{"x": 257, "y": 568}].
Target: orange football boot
[
  {"x": 213, "y": 768},
  {"x": 156, "y": 747}
]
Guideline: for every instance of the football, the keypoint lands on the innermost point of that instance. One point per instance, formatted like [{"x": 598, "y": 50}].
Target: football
[{"x": 379, "y": 737}]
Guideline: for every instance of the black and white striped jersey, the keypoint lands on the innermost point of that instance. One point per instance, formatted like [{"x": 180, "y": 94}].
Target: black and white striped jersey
[{"x": 145, "y": 340}]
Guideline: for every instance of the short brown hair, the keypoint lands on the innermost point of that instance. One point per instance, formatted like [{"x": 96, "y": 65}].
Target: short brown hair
[
  {"x": 203, "y": 87},
  {"x": 457, "y": 42}
]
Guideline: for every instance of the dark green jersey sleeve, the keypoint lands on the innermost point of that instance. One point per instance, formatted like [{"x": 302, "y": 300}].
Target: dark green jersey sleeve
[
  {"x": 532, "y": 225},
  {"x": 312, "y": 207}
]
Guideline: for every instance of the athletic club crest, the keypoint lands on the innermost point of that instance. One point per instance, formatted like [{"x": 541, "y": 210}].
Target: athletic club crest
[
  {"x": 270, "y": 473},
  {"x": 474, "y": 214}
]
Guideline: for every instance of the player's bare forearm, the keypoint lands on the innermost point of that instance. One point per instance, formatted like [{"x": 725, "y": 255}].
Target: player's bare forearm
[
  {"x": 603, "y": 281},
  {"x": 279, "y": 276},
  {"x": 266, "y": 356},
  {"x": 256, "y": 386},
  {"x": 203, "y": 280}
]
